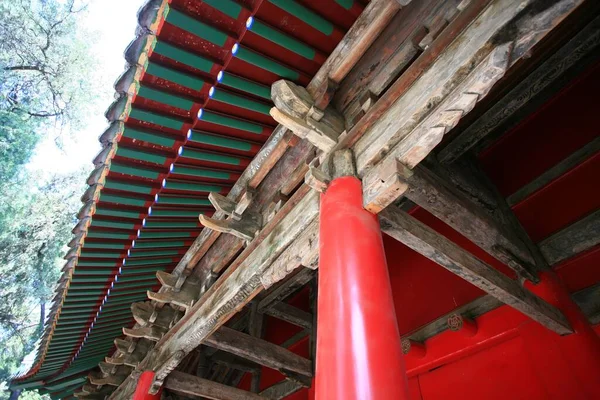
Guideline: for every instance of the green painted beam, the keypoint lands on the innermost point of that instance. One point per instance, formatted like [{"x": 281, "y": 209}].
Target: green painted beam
[
  {"x": 180, "y": 78},
  {"x": 267, "y": 64},
  {"x": 244, "y": 85},
  {"x": 183, "y": 56},
  {"x": 199, "y": 172},
  {"x": 240, "y": 101},
  {"x": 223, "y": 120},
  {"x": 283, "y": 40}
]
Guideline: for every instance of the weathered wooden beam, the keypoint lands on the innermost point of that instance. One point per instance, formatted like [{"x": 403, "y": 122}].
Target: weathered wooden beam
[
  {"x": 304, "y": 252},
  {"x": 256, "y": 329},
  {"x": 392, "y": 52},
  {"x": 588, "y": 300},
  {"x": 417, "y": 138},
  {"x": 462, "y": 75},
  {"x": 572, "y": 240},
  {"x": 516, "y": 103},
  {"x": 282, "y": 389},
  {"x": 290, "y": 314},
  {"x": 367, "y": 27},
  {"x": 259, "y": 351},
  {"x": 442, "y": 251},
  {"x": 235, "y": 362},
  {"x": 235, "y": 288},
  {"x": 292, "y": 340},
  {"x": 286, "y": 288},
  {"x": 435, "y": 195},
  {"x": 559, "y": 169},
  {"x": 190, "y": 385},
  {"x": 471, "y": 310}
]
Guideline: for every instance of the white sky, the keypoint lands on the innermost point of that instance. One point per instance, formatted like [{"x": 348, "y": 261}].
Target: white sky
[{"x": 113, "y": 22}]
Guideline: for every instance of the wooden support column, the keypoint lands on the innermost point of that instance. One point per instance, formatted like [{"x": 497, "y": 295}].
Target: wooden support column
[
  {"x": 359, "y": 351},
  {"x": 255, "y": 328}
]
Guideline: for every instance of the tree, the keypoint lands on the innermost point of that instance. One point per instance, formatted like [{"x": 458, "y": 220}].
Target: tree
[
  {"x": 45, "y": 61},
  {"x": 35, "y": 226}
]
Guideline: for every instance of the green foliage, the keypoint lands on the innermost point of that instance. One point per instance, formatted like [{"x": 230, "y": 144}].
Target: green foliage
[
  {"x": 47, "y": 86},
  {"x": 18, "y": 138},
  {"x": 45, "y": 62},
  {"x": 35, "y": 224}
]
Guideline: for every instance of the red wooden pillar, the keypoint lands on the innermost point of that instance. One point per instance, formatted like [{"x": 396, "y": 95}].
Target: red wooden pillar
[
  {"x": 581, "y": 349},
  {"x": 143, "y": 387},
  {"x": 359, "y": 352}
]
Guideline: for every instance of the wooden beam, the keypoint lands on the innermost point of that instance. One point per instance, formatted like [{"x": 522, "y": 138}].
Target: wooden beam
[
  {"x": 256, "y": 329},
  {"x": 531, "y": 91},
  {"x": 235, "y": 288},
  {"x": 190, "y": 385},
  {"x": 588, "y": 300},
  {"x": 259, "y": 351},
  {"x": 234, "y": 362},
  {"x": 556, "y": 171},
  {"x": 281, "y": 390},
  {"x": 462, "y": 75},
  {"x": 572, "y": 240},
  {"x": 471, "y": 310},
  {"x": 435, "y": 195},
  {"x": 367, "y": 27},
  {"x": 284, "y": 289},
  {"x": 442, "y": 251},
  {"x": 290, "y": 314}
]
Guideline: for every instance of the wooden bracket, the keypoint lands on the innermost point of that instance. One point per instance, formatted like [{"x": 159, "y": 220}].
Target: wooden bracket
[
  {"x": 241, "y": 222},
  {"x": 146, "y": 314},
  {"x": 109, "y": 375},
  {"x": 130, "y": 352},
  {"x": 274, "y": 206},
  {"x": 125, "y": 346},
  {"x": 383, "y": 185},
  {"x": 153, "y": 333},
  {"x": 184, "y": 296},
  {"x": 317, "y": 179},
  {"x": 296, "y": 110}
]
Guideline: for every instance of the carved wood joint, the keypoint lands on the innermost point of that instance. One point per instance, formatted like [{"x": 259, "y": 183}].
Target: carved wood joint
[
  {"x": 296, "y": 110},
  {"x": 241, "y": 223}
]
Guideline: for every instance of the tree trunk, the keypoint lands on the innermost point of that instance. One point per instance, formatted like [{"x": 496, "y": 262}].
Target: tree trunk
[
  {"x": 14, "y": 394},
  {"x": 42, "y": 315}
]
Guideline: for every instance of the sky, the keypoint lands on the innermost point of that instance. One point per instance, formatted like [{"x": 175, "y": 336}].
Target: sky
[{"x": 113, "y": 23}]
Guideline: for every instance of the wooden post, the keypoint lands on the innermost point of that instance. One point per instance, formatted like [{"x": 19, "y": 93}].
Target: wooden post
[{"x": 359, "y": 351}]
